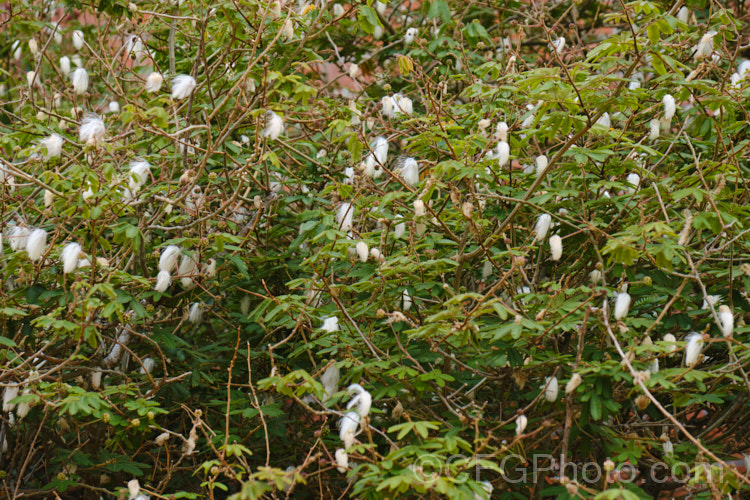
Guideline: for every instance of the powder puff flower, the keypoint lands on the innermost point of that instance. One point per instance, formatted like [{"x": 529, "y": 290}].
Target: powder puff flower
[
  {"x": 163, "y": 280},
  {"x": 635, "y": 181},
  {"x": 36, "y": 244},
  {"x": 153, "y": 83},
  {"x": 362, "y": 251},
  {"x": 92, "y": 129},
  {"x": 521, "y": 422},
  {"x": 53, "y": 143},
  {"x": 556, "y": 247},
  {"x": 330, "y": 324},
  {"x": 330, "y": 380},
  {"x": 403, "y": 104},
  {"x": 17, "y": 50},
  {"x": 9, "y": 394},
  {"x": 148, "y": 366},
  {"x": 196, "y": 312},
  {"x": 683, "y": 15},
  {"x": 654, "y": 129},
  {"x": 347, "y": 427},
  {"x": 726, "y": 318},
  {"x": 139, "y": 173},
  {"x": 406, "y": 300},
  {"x": 80, "y": 79},
  {"x": 168, "y": 258},
  {"x": 188, "y": 267},
  {"x": 183, "y": 86},
  {"x": 542, "y": 225},
  {"x": 559, "y": 45},
  {"x": 78, "y": 39},
  {"x": 502, "y": 132},
  {"x": 622, "y": 305},
  {"x": 69, "y": 257},
  {"x": 541, "y": 165},
  {"x": 410, "y": 35},
  {"x": 342, "y": 459},
  {"x": 669, "y": 110},
  {"x": 65, "y": 66},
  {"x": 503, "y": 153},
  {"x": 344, "y": 216},
  {"x": 400, "y": 228},
  {"x": 114, "y": 107},
  {"x": 376, "y": 158},
  {"x": 693, "y": 349},
  {"x": 409, "y": 171},
  {"x": 386, "y": 106},
  {"x": 274, "y": 126},
  {"x": 573, "y": 383},
  {"x": 551, "y": 389},
  {"x": 17, "y": 237},
  {"x": 362, "y": 400},
  {"x": 705, "y": 47}
]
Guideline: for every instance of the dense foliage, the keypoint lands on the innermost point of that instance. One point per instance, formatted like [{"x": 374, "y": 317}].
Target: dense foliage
[{"x": 520, "y": 227}]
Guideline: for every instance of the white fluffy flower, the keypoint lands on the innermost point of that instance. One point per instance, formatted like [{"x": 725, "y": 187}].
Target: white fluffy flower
[
  {"x": 92, "y": 129},
  {"x": 188, "y": 267},
  {"x": 274, "y": 126},
  {"x": 362, "y": 251},
  {"x": 183, "y": 86},
  {"x": 65, "y": 66},
  {"x": 705, "y": 47},
  {"x": 139, "y": 174},
  {"x": 634, "y": 180},
  {"x": 419, "y": 208},
  {"x": 168, "y": 258},
  {"x": 78, "y": 39},
  {"x": 96, "y": 379},
  {"x": 386, "y": 106},
  {"x": 403, "y": 104},
  {"x": 348, "y": 428},
  {"x": 595, "y": 276},
  {"x": 551, "y": 389},
  {"x": 196, "y": 312},
  {"x": 362, "y": 400},
  {"x": 604, "y": 121},
  {"x": 410, "y": 35},
  {"x": 541, "y": 165},
  {"x": 669, "y": 107},
  {"x": 672, "y": 340},
  {"x": 342, "y": 459},
  {"x": 409, "y": 171},
  {"x": 330, "y": 380},
  {"x": 503, "y": 153},
  {"x": 330, "y": 324},
  {"x": 338, "y": 10},
  {"x": 344, "y": 216},
  {"x": 148, "y": 365},
  {"x": 693, "y": 349},
  {"x": 32, "y": 78},
  {"x": 556, "y": 247},
  {"x": 36, "y": 244},
  {"x": 622, "y": 305},
  {"x": 17, "y": 237},
  {"x": 134, "y": 488},
  {"x": 114, "y": 107},
  {"x": 668, "y": 446},
  {"x": 17, "y": 50},
  {"x": 573, "y": 383},
  {"x": 559, "y": 45},
  {"x": 654, "y": 129},
  {"x": 163, "y": 280},
  {"x": 521, "y": 422},
  {"x": 161, "y": 439},
  {"x": 9, "y": 394},
  {"x": 502, "y": 132},
  {"x": 726, "y": 318},
  {"x": 683, "y": 14},
  {"x": 710, "y": 300},
  {"x": 376, "y": 158},
  {"x": 53, "y": 143},
  {"x": 153, "y": 83},
  {"x": 80, "y": 79},
  {"x": 542, "y": 225},
  {"x": 400, "y": 228},
  {"x": 69, "y": 257}
]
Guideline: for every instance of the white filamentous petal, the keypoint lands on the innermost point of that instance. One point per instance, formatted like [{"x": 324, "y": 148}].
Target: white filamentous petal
[
  {"x": 69, "y": 257},
  {"x": 342, "y": 460},
  {"x": 274, "y": 126},
  {"x": 330, "y": 324},
  {"x": 344, "y": 216},
  {"x": 521, "y": 422},
  {"x": 153, "y": 83},
  {"x": 330, "y": 379},
  {"x": 114, "y": 107},
  {"x": 49, "y": 198},
  {"x": 188, "y": 267},
  {"x": 573, "y": 383},
  {"x": 654, "y": 129},
  {"x": 17, "y": 237},
  {"x": 362, "y": 400},
  {"x": 134, "y": 488},
  {"x": 410, "y": 35},
  {"x": 80, "y": 79},
  {"x": 168, "y": 258},
  {"x": 386, "y": 106},
  {"x": 9, "y": 394},
  {"x": 183, "y": 86},
  {"x": 693, "y": 349},
  {"x": 53, "y": 143},
  {"x": 671, "y": 339},
  {"x": 36, "y": 244},
  {"x": 163, "y": 280},
  {"x": 502, "y": 132},
  {"x": 65, "y": 66},
  {"x": 409, "y": 171},
  {"x": 705, "y": 47},
  {"x": 551, "y": 389},
  {"x": 92, "y": 129},
  {"x": 196, "y": 312},
  {"x": 669, "y": 107},
  {"x": 96, "y": 379},
  {"x": 503, "y": 153},
  {"x": 419, "y": 208},
  {"x": 622, "y": 305},
  {"x": 634, "y": 180},
  {"x": 400, "y": 228},
  {"x": 362, "y": 251},
  {"x": 559, "y": 45},
  {"x": 403, "y": 104},
  {"x": 78, "y": 39},
  {"x": 683, "y": 14},
  {"x": 543, "y": 224},
  {"x": 139, "y": 173},
  {"x": 726, "y": 318},
  {"x": 541, "y": 165},
  {"x": 348, "y": 428},
  {"x": 595, "y": 276},
  {"x": 161, "y": 439},
  {"x": 604, "y": 121},
  {"x": 148, "y": 365},
  {"x": 556, "y": 247},
  {"x": 668, "y": 446}
]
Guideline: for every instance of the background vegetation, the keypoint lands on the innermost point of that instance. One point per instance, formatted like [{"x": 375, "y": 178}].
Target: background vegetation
[{"x": 439, "y": 294}]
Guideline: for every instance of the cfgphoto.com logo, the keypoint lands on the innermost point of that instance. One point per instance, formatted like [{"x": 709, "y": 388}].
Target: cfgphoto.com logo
[{"x": 525, "y": 470}]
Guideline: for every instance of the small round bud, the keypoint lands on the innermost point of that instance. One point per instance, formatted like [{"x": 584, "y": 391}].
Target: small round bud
[
  {"x": 609, "y": 465},
  {"x": 150, "y": 415},
  {"x": 106, "y": 417},
  {"x": 214, "y": 470},
  {"x": 135, "y": 422},
  {"x": 199, "y": 413},
  {"x": 647, "y": 281},
  {"x": 213, "y": 176}
]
